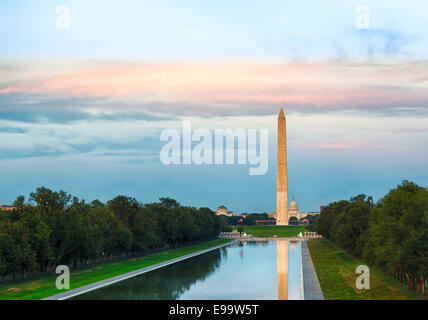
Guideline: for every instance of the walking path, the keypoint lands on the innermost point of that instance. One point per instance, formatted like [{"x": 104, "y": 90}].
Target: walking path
[
  {"x": 107, "y": 282},
  {"x": 311, "y": 284}
]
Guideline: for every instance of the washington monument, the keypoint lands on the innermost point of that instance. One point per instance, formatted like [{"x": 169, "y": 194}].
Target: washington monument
[{"x": 281, "y": 173}]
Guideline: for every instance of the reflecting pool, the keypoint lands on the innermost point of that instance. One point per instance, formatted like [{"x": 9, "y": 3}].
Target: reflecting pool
[{"x": 245, "y": 270}]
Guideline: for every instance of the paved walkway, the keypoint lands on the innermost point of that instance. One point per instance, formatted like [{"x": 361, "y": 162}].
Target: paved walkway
[
  {"x": 74, "y": 292},
  {"x": 311, "y": 284}
]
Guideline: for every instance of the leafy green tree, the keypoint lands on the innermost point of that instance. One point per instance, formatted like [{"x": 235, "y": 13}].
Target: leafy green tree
[
  {"x": 170, "y": 203},
  {"x": 61, "y": 229},
  {"x": 292, "y": 220},
  {"x": 125, "y": 208},
  {"x": 392, "y": 234},
  {"x": 327, "y": 218},
  {"x": 397, "y": 234},
  {"x": 48, "y": 200},
  {"x": 38, "y": 235},
  {"x": 144, "y": 230},
  {"x": 16, "y": 250}
]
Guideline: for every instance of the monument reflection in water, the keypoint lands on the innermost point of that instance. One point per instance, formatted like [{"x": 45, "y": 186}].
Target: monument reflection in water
[
  {"x": 289, "y": 259},
  {"x": 282, "y": 268},
  {"x": 266, "y": 270}
]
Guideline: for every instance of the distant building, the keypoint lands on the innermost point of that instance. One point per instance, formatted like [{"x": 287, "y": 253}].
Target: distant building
[
  {"x": 7, "y": 207},
  {"x": 293, "y": 211},
  {"x": 222, "y": 210},
  {"x": 272, "y": 215}
]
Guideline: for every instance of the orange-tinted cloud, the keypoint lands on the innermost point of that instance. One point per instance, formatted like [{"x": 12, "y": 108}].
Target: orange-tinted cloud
[{"x": 322, "y": 84}]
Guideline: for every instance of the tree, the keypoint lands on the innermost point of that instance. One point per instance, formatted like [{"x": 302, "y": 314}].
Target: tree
[
  {"x": 49, "y": 200},
  {"x": 292, "y": 220},
  {"x": 124, "y": 207},
  {"x": 397, "y": 234},
  {"x": 144, "y": 230},
  {"x": 38, "y": 235},
  {"x": 325, "y": 221},
  {"x": 61, "y": 229},
  {"x": 170, "y": 203},
  {"x": 16, "y": 253},
  {"x": 392, "y": 234}
]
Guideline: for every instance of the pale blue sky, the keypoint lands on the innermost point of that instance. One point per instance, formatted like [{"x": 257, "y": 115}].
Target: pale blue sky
[{"x": 205, "y": 29}]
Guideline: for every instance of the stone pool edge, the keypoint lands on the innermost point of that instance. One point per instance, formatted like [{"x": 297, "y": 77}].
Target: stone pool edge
[
  {"x": 107, "y": 282},
  {"x": 301, "y": 283},
  {"x": 311, "y": 286}
]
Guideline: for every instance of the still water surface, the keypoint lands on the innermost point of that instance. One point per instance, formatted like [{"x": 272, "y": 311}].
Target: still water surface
[{"x": 246, "y": 270}]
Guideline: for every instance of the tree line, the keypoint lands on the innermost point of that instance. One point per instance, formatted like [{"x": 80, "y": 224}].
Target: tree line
[
  {"x": 249, "y": 220},
  {"x": 392, "y": 233},
  {"x": 55, "y": 228}
]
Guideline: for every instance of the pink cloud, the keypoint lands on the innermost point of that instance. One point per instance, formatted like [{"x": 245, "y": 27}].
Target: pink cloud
[{"x": 331, "y": 84}]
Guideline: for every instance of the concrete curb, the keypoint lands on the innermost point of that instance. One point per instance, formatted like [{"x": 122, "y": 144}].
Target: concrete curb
[
  {"x": 107, "y": 282},
  {"x": 312, "y": 288},
  {"x": 301, "y": 285}
]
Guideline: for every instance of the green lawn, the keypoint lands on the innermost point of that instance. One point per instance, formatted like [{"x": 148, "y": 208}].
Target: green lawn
[
  {"x": 336, "y": 273},
  {"x": 269, "y": 231},
  {"x": 45, "y": 286}
]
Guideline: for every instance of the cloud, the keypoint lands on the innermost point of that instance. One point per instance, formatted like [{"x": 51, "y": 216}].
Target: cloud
[
  {"x": 386, "y": 42},
  {"x": 375, "y": 43},
  {"x": 114, "y": 109},
  {"x": 156, "y": 90},
  {"x": 95, "y": 138},
  {"x": 11, "y": 130},
  {"x": 38, "y": 107},
  {"x": 353, "y": 146}
]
